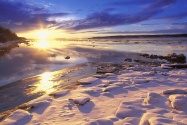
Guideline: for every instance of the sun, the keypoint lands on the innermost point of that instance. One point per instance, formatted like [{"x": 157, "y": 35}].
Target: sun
[{"x": 42, "y": 34}]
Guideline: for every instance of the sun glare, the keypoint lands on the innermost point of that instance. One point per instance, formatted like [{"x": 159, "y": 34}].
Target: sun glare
[
  {"x": 42, "y": 34},
  {"x": 46, "y": 84},
  {"x": 42, "y": 39}
]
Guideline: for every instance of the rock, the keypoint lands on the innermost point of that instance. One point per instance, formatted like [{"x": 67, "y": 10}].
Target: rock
[
  {"x": 128, "y": 59},
  {"x": 174, "y": 91},
  {"x": 67, "y": 57},
  {"x": 105, "y": 69},
  {"x": 169, "y": 66},
  {"x": 88, "y": 80},
  {"x": 174, "y": 58}
]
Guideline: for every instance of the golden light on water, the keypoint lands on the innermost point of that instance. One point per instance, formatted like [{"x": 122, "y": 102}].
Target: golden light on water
[
  {"x": 46, "y": 84},
  {"x": 42, "y": 42}
]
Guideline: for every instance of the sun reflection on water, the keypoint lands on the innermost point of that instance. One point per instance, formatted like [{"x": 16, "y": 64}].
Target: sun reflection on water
[
  {"x": 46, "y": 84},
  {"x": 42, "y": 44}
]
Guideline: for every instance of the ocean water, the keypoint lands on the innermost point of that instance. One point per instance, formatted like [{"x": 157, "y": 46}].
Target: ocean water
[{"x": 39, "y": 56}]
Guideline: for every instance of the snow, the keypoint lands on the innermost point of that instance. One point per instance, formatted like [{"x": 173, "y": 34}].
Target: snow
[
  {"x": 139, "y": 95},
  {"x": 18, "y": 117},
  {"x": 88, "y": 80},
  {"x": 80, "y": 100},
  {"x": 179, "y": 102}
]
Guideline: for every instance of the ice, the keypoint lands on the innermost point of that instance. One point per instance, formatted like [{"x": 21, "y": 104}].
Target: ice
[
  {"x": 60, "y": 93},
  {"x": 80, "y": 100},
  {"x": 124, "y": 111},
  {"x": 160, "y": 69},
  {"x": 110, "y": 88},
  {"x": 88, "y": 80},
  {"x": 161, "y": 121},
  {"x": 179, "y": 102},
  {"x": 146, "y": 116},
  {"x": 131, "y": 121},
  {"x": 153, "y": 98},
  {"x": 18, "y": 117},
  {"x": 139, "y": 81}
]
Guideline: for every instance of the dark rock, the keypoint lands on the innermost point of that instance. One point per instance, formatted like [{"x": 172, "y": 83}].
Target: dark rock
[
  {"x": 128, "y": 59},
  {"x": 173, "y": 58},
  {"x": 67, "y": 57}
]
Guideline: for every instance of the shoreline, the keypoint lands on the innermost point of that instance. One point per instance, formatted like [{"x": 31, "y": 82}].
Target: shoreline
[{"x": 101, "y": 87}]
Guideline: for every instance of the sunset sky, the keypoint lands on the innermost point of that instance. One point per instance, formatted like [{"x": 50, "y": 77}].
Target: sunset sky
[{"x": 86, "y": 18}]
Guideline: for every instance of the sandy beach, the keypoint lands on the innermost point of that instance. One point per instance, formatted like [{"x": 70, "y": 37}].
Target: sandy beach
[{"x": 135, "y": 95}]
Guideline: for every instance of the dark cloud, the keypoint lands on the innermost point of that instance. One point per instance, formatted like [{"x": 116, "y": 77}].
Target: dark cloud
[
  {"x": 160, "y": 4},
  {"x": 104, "y": 19},
  {"x": 20, "y": 17}
]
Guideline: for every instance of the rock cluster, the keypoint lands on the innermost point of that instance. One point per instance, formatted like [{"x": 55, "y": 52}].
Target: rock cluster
[{"x": 174, "y": 58}]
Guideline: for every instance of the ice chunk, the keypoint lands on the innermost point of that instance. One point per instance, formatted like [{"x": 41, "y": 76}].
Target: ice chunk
[
  {"x": 99, "y": 76},
  {"x": 60, "y": 93},
  {"x": 179, "y": 102},
  {"x": 88, "y": 80},
  {"x": 109, "y": 88},
  {"x": 151, "y": 73},
  {"x": 131, "y": 121},
  {"x": 80, "y": 100},
  {"x": 159, "y": 69},
  {"x": 154, "y": 99},
  {"x": 139, "y": 81},
  {"x": 146, "y": 117},
  {"x": 161, "y": 121},
  {"x": 124, "y": 111}
]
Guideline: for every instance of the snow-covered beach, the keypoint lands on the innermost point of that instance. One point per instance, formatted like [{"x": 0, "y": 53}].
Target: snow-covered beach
[{"x": 136, "y": 95}]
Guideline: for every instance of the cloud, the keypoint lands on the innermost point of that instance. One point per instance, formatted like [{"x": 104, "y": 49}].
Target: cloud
[
  {"x": 172, "y": 29},
  {"x": 160, "y": 4},
  {"x": 104, "y": 19},
  {"x": 173, "y": 17},
  {"x": 21, "y": 16},
  {"x": 130, "y": 2}
]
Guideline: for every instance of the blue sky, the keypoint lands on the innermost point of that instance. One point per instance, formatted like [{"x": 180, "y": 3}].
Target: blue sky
[{"x": 98, "y": 17}]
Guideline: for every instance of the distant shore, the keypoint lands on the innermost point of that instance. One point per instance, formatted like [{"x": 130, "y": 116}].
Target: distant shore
[{"x": 141, "y": 36}]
